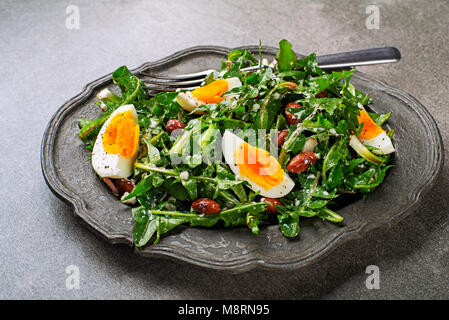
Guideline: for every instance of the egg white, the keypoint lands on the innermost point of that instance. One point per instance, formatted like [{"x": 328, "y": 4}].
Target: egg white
[
  {"x": 230, "y": 143},
  {"x": 189, "y": 102},
  {"x": 108, "y": 165},
  {"x": 382, "y": 141}
]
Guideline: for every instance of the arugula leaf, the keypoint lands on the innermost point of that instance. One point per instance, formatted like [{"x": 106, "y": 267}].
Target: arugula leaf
[
  {"x": 329, "y": 215},
  {"x": 289, "y": 225},
  {"x": 144, "y": 228},
  {"x": 131, "y": 86},
  {"x": 309, "y": 64},
  {"x": 272, "y": 103},
  {"x": 132, "y": 90},
  {"x": 285, "y": 56},
  {"x": 379, "y": 118},
  {"x": 337, "y": 152},
  {"x": 176, "y": 189},
  {"x": 238, "y": 189}
]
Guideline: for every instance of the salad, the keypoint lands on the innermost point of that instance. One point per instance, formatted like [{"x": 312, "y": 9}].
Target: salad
[{"x": 277, "y": 145}]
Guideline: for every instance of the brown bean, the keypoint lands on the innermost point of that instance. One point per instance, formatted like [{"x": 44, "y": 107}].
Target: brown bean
[
  {"x": 291, "y": 118},
  {"x": 206, "y": 206},
  {"x": 124, "y": 185},
  {"x": 301, "y": 162},
  {"x": 174, "y": 124},
  {"x": 271, "y": 204},
  {"x": 281, "y": 137}
]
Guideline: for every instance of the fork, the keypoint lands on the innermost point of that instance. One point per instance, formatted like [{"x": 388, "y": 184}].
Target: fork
[{"x": 331, "y": 61}]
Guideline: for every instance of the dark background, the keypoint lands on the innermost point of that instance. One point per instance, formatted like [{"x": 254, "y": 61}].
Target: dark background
[{"x": 43, "y": 64}]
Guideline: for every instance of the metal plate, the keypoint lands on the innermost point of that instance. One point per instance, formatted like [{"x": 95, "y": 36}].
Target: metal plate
[{"x": 68, "y": 173}]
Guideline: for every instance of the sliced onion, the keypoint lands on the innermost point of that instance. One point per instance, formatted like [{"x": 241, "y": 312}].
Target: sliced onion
[
  {"x": 310, "y": 145},
  {"x": 363, "y": 151},
  {"x": 112, "y": 186}
]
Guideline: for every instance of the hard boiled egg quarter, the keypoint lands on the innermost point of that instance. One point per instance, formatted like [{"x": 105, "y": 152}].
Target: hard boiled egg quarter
[
  {"x": 210, "y": 93},
  {"x": 373, "y": 135},
  {"x": 262, "y": 171},
  {"x": 116, "y": 146}
]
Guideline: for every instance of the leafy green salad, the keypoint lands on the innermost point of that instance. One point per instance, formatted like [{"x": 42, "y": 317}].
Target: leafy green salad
[{"x": 276, "y": 145}]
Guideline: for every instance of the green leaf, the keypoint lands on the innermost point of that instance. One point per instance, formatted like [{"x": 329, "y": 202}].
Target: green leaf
[
  {"x": 308, "y": 213},
  {"x": 329, "y": 215},
  {"x": 342, "y": 127},
  {"x": 379, "y": 118},
  {"x": 238, "y": 189},
  {"x": 237, "y": 215},
  {"x": 83, "y": 122},
  {"x": 235, "y": 54},
  {"x": 321, "y": 192},
  {"x": 285, "y": 56},
  {"x": 142, "y": 187},
  {"x": 370, "y": 178},
  {"x": 335, "y": 177},
  {"x": 131, "y": 87},
  {"x": 281, "y": 122},
  {"x": 191, "y": 187},
  {"x": 144, "y": 228},
  {"x": 309, "y": 64},
  {"x": 163, "y": 106},
  {"x": 176, "y": 189},
  {"x": 320, "y": 123},
  {"x": 132, "y": 90},
  {"x": 327, "y": 104},
  {"x": 289, "y": 225},
  {"x": 272, "y": 104},
  {"x": 317, "y": 204},
  {"x": 153, "y": 153},
  {"x": 252, "y": 221},
  {"x": 336, "y": 152}
]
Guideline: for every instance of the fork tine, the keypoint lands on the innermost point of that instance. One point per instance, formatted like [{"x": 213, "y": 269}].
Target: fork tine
[
  {"x": 172, "y": 83},
  {"x": 166, "y": 89},
  {"x": 188, "y": 76}
]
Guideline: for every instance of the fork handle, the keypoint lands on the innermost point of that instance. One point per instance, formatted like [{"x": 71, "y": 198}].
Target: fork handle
[{"x": 359, "y": 58}]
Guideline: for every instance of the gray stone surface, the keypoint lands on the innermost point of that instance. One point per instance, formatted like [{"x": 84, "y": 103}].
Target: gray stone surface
[{"x": 44, "y": 64}]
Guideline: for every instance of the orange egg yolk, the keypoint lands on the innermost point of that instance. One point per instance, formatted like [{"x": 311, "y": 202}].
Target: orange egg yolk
[
  {"x": 370, "y": 128},
  {"x": 121, "y": 135},
  {"x": 259, "y": 166},
  {"x": 212, "y": 92}
]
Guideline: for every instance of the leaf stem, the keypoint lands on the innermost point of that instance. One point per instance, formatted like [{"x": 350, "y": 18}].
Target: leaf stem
[
  {"x": 241, "y": 208},
  {"x": 173, "y": 213},
  {"x": 155, "y": 169},
  {"x": 298, "y": 130}
]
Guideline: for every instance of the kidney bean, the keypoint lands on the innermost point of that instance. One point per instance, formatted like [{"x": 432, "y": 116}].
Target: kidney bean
[
  {"x": 206, "y": 206},
  {"x": 281, "y": 137},
  {"x": 301, "y": 162},
  {"x": 271, "y": 204},
  {"x": 291, "y": 118},
  {"x": 174, "y": 124},
  {"x": 124, "y": 185}
]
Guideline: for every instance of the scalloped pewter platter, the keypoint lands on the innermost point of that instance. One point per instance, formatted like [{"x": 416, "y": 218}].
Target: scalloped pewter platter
[{"x": 68, "y": 173}]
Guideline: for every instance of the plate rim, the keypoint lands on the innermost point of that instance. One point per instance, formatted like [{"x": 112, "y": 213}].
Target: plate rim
[{"x": 81, "y": 210}]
